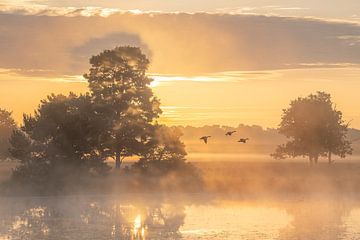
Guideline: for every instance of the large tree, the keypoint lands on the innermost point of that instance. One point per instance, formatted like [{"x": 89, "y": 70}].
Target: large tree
[
  {"x": 7, "y": 125},
  {"x": 69, "y": 136},
  {"x": 314, "y": 128},
  {"x": 122, "y": 96}
]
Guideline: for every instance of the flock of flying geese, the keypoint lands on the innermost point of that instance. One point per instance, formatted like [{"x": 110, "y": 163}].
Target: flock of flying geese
[
  {"x": 241, "y": 140},
  {"x": 244, "y": 140}
]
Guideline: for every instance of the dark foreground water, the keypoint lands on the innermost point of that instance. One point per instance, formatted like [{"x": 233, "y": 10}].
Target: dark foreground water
[{"x": 194, "y": 217}]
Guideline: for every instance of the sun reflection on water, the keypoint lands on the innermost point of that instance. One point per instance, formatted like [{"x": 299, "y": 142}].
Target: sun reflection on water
[
  {"x": 320, "y": 219},
  {"x": 139, "y": 229}
]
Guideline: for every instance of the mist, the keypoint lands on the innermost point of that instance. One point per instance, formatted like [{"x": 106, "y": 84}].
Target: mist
[{"x": 177, "y": 124}]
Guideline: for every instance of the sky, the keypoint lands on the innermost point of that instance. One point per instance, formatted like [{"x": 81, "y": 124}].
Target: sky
[{"x": 213, "y": 62}]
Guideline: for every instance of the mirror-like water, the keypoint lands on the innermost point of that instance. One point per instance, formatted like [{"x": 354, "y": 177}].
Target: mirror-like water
[{"x": 146, "y": 217}]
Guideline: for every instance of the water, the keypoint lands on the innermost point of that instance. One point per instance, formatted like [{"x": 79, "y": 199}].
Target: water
[{"x": 151, "y": 217}]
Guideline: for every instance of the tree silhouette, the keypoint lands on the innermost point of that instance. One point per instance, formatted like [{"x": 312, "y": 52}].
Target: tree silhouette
[
  {"x": 72, "y": 136},
  {"x": 123, "y": 99},
  {"x": 7, "y": 125},
  {"x": 163, "y": 165},
  {"x": 58, "y": 142},
  {"x": 315, "y": 128},
  {"x": 164, "y": 144}
]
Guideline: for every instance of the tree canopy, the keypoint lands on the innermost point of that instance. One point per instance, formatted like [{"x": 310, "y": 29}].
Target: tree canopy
[
  {"x": 70, "y": 136},
  {"x": 122, "y": 97},
  {"x": 165, "y": 146},
  {"x": 165, "y": 156},
  {"x": 59, "y": 141},
  {"x": 315, "y": 128},
  {"x": 7, "y": 125}
]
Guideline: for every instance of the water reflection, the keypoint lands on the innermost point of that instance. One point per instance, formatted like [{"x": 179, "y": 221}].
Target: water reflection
[
  {"x": 317, "y": 219},
  {"x": 126, "y": 218},
  {"x": 81, "y": 218}
]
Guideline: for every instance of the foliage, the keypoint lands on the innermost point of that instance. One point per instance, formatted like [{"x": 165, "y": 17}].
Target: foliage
[
  {"x": 7, "y": 125},
  {"x": 58, "y": 142},
  {"x": 164, "y": 144},
  {"x": 315, "y": 128},
  {"x": 123, "y": 98},
  {"x": 163, "y": 165},
  {"x": 69, "y": 138},
  {"x": 166, "y": 175}
]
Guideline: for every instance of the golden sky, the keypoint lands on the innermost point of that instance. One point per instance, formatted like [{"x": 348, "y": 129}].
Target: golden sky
[{"x": 233, "y": 62}]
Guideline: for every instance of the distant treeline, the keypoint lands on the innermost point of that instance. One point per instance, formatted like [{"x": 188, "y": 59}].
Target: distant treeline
[{"x": 262, "y": 140}]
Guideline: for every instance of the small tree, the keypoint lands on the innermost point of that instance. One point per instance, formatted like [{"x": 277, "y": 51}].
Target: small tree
[
  {"x": 7, "y": 126},
  {"x": 123, "y": 98},
  {"x": 162, "y": 166},
  {"x": 315, "y": 128},
  {"x": 165, "y": 144}
]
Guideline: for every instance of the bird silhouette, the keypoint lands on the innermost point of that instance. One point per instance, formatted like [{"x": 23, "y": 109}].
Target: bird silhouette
[
  {"x": 205, "y": 139},
  {"x": 229, "y": 133},
  {"x": 243, "y": 140}
]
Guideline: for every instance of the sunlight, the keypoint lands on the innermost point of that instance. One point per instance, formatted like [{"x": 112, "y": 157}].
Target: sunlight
[
  {"x": 239, "y": 219},
  {"x": 210, "y": 78},
  {"x": 182, "y": 119},
  {"x": 139, "y": 229}
]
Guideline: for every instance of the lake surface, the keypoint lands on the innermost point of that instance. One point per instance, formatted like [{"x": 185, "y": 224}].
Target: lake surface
[{"x": 197, "y": 217}]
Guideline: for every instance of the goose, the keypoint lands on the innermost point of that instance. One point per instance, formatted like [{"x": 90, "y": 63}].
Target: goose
[
  {"x": 229, "y": 133},
  {"x": 205, "y": 139},
  {"x": 243, "y": 140}
]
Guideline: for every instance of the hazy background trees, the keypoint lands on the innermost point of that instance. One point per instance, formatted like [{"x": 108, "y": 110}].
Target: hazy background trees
[{"x": 314, "y": 128}]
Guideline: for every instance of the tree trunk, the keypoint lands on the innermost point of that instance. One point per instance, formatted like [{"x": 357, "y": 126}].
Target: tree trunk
[
  {"x": 316, "y": 158},
  {"x": 329, "y": 157},
  {"x": 311, "y": 160},
  {"x": 117, "y": 160}
]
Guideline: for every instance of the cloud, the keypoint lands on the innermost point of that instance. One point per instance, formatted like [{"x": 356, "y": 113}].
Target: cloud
[
  {"x": 93, "y": 46},
  {"x": 44, "y": 10},
  {"x": 178, "y": 44},
  {"x": 264, "y": 10},
  {"x": 219, "y": 77}
]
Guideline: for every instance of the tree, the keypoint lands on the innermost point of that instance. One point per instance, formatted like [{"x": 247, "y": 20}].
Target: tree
[
  {"x": 164, "y": 145},
  {"x": 7, "y": 125},
  {"x": 163, "y": 165},
  {"x": 124, "y": 100},
  {"x": 58, "y": 142},
  {"x": 315, "y": 128},
  {"x": 72, "y": 136}
]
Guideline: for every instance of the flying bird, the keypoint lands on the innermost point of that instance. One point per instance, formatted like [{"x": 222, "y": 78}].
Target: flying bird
[
  {"x": 243, "y": 140},
  {"x": 229, "y": 133},
  {"x": 205, "y": 139}
]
